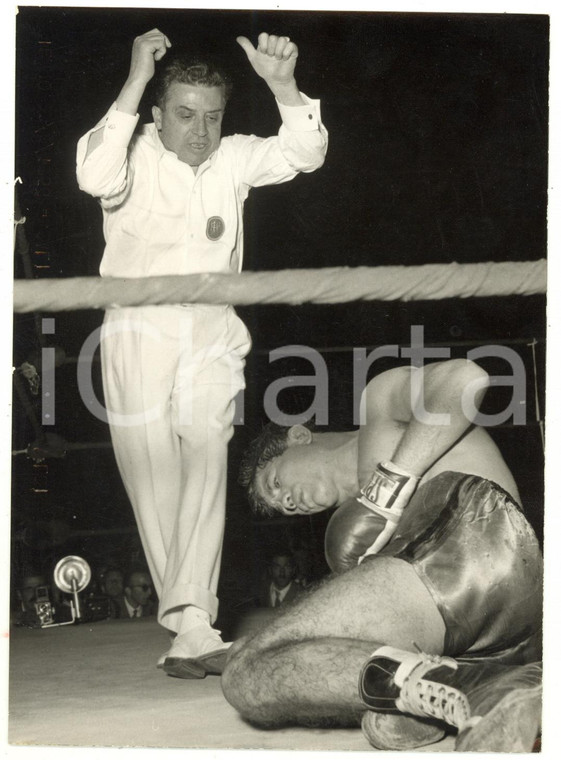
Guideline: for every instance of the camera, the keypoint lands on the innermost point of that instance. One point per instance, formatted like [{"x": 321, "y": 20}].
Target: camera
[
  {"x": 43, "y": 607},
  {"x": 71, "y": 575}
]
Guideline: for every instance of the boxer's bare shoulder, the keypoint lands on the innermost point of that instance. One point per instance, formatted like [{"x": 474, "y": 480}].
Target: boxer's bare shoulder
[
  {"x": 477, "y": 454},
  {"x": 397, "y": 399}
]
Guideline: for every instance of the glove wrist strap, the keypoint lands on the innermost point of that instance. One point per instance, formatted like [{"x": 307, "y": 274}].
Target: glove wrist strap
[
  {"x": 383, "y": 494},
  {"x": 394, "y": 469},
  {"x": 385, "y": 513}
]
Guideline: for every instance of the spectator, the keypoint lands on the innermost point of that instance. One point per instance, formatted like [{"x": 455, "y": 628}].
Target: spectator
[
  {"x": 136, "y": 601},
  {"x": 281, "y": 585},
  {"x": 30, "y": 582},
  {"x": 112, "y": 585}
]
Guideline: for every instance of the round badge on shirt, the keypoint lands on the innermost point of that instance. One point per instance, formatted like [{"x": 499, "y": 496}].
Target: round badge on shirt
[{"x": 215, "y": 227}]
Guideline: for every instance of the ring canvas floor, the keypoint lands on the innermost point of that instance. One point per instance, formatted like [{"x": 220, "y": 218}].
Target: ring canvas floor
[{"x": 97, "y": 685}]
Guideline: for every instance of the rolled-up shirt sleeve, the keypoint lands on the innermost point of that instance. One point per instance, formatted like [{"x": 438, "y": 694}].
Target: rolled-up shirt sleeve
[{"x": 104, "y": 173}]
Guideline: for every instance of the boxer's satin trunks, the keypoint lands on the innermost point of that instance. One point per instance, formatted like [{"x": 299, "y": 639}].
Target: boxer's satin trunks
[{"x": 479, "y": 558}]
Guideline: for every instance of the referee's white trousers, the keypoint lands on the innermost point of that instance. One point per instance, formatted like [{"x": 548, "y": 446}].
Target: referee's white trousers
[{"x": 170, "y": 375}]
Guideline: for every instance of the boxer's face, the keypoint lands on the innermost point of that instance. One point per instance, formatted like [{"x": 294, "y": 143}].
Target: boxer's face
[
  {"x": 300, "y": 481},
  {"x": 190, "y": 121}
]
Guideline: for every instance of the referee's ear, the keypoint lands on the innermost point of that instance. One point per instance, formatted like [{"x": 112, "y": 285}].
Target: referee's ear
[{"x": 157, "y": 116}]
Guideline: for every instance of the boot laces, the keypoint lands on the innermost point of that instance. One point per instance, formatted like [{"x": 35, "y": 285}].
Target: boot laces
[{"x": 420, "y": 696}]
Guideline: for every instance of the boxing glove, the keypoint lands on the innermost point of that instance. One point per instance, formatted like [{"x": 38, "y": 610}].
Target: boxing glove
[{"x": 364, "y": 525}]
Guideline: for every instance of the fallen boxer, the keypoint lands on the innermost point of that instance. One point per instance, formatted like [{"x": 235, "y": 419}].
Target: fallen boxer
[{"x": 431, "y": 553}]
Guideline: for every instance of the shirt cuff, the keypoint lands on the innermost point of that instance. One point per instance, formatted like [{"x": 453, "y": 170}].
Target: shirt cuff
[
  {"x": 118, "y": 127},
  {"x": 306, "y": 118}
]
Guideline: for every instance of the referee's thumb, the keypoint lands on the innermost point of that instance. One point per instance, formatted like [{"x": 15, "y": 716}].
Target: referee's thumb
[{"x": 246, "y": 45}]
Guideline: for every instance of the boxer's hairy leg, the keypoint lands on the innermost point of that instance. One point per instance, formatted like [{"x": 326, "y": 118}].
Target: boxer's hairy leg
[
  {"x": 304, "y": 666},
  {"x": 310, "y": 683}
]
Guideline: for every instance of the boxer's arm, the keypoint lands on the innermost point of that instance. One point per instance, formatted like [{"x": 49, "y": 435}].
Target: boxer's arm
[{"x": 413, "y": 416}]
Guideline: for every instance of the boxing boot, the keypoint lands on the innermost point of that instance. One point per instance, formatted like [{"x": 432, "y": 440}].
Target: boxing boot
[
  {"x": 459, "y": 693},
  {"x": 400, "y": 732},
  {"x": 394, "y": 681}
]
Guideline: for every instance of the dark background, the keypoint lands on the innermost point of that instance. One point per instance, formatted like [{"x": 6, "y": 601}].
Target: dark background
[{"x": 438, "y": 153}]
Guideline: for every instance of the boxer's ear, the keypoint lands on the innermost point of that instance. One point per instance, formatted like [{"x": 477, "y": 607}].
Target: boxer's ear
[{"x": 299, "y": 435}]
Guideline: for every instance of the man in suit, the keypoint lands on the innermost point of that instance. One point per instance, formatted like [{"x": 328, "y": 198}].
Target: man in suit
[
  {"x": 111, "y": 585},
  {"x": 137, "y": 598},
  {"x": 282, "y": 586},
  {"x": 26, "y": 593},
  {"x": 279, "y": 586}
]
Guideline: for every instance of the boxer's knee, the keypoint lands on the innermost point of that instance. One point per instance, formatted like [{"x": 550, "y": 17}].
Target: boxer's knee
[
  {"x": 236, "y": 647},
  {"x": 232, "y": 680},
  {"x": 247, "y": 688},
  {"x": 238, "y": 681}
]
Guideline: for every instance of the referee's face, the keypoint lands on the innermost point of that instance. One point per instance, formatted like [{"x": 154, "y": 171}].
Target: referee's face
[{"x": 190, "y": 122}]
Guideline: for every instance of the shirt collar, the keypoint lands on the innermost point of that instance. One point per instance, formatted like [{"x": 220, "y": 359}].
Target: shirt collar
[
  {"x": 130, "y": 608},
  {"x": 282, "y": 592}
]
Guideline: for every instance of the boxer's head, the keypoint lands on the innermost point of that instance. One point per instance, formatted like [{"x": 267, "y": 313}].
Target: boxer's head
[{"x": 286, "y": 470}]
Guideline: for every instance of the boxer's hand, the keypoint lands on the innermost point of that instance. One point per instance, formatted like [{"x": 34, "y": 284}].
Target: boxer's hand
[
  {"x": 350, "y": 532},
  {"x": 363, "y": 526},
  {"x": 274, "y": 59},
  {"x": 146, "y": 50}
]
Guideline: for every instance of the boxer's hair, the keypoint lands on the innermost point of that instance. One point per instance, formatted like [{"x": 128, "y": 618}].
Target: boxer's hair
[
  {"x": 270, "y": 443},
  {"x": 189, "y": 69}
]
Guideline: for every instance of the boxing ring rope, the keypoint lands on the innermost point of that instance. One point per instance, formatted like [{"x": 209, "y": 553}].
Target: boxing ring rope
[
  {"x": 333, "y": 285},
  {"x": 330, "y": 285}
]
